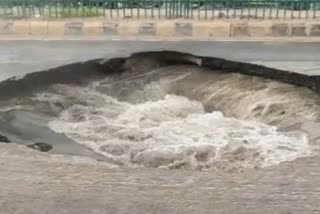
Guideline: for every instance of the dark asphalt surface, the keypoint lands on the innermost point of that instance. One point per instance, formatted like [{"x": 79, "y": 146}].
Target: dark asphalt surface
[{"x": 20, "y": 57}]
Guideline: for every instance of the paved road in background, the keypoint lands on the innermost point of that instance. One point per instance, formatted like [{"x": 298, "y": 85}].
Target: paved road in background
[{"x": 20, "y": 57}]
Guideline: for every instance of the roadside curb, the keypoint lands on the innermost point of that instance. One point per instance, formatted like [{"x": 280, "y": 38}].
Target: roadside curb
[{"x": 161, "y": 29}]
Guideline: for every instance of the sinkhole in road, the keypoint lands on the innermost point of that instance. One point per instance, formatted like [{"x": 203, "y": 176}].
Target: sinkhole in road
[{"x": 166, "y": 110}]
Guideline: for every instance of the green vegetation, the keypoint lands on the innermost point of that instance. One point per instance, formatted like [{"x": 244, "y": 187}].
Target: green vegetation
[
  {"x": 75, "y": 12},
  {"x": 97, "y": 8}
]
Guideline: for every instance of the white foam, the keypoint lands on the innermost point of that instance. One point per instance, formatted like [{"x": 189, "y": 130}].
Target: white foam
[{"x": 171, "y": 132}]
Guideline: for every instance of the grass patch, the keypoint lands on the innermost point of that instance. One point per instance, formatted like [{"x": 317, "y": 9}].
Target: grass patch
[{"x": 70, "y": 12}]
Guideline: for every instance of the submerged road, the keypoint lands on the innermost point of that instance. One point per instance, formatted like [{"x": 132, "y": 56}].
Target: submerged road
[
  {"x": 20, "y": 57},
  {"x": 38, "y": 183}
]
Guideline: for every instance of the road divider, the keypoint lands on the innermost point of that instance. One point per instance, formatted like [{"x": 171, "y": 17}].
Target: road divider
[{"x": 162, "y": 29}]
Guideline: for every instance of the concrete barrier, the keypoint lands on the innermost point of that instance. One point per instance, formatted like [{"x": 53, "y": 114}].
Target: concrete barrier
[{"x": 162, "y": 29}]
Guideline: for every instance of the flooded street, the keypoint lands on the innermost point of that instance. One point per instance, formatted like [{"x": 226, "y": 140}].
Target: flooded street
[
  {"x": 40, "y": 183},
  {"x": 160, "y": 133}
]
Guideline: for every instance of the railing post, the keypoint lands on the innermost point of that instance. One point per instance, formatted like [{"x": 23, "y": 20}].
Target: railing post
[{"x": 171, "y": 9}]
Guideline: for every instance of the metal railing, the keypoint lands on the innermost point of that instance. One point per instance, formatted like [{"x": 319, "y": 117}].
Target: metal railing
[{"x": 161, "y": 9}]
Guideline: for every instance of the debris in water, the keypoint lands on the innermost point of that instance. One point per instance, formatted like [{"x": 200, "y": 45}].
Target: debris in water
[{"x": 43, "y": 147}]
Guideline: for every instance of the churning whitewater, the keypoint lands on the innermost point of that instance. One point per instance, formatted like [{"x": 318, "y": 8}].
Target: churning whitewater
[
  {"x": 163, "y": 111},
  {"x": 135, "y": 121}
]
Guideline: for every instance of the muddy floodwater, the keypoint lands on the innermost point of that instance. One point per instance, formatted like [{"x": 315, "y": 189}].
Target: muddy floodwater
[{"x": 160, "y": 133}]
